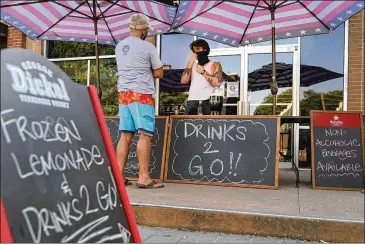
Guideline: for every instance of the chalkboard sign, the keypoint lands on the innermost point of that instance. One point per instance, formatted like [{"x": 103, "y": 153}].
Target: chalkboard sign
[
  {"x": 337, "y": 140},
  {"x": 224, "y": 150},
  {"x": 158, "y": 145},
  {"x": 59, "y": 179}
]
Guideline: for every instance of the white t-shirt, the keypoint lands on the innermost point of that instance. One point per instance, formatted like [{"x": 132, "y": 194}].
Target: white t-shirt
[
  {"x": 200, "y": 88},
  {"x": 135, "y": 60}
]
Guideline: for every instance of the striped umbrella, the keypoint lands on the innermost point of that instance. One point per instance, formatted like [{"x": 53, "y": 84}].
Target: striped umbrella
[
  {"x": 96, "y": 21},
  {"x": 242, "y": 22},
  {"x": 260, "y": 79}
]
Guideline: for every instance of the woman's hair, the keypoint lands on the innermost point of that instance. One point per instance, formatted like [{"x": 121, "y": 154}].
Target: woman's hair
[{"x": 200, "y": 43}]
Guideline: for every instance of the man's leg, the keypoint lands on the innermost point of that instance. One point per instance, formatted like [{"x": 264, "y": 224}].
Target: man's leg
[
  {"x": 191, "y": 108},
  {"x": 206, "y": 107},
  {"x": 143, "y": 154},
  {"x": 143, "y": 113},
  {"x": 123, "y": 150},
  {"x": 127, "y": 129}
]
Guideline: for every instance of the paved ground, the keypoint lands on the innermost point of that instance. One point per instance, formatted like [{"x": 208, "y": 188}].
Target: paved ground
[
  {"x": 302, "y": 201},
  {"x": 164, "y": 235}
]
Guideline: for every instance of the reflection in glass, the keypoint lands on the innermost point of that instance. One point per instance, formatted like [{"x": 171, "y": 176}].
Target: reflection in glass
[
  {"x": 214, "y": 44},
  {"x": 175, "y": 51},
  {"x": 225, "y": 100},
  {"x": 325, "y": 51},
  {"x": 316, "y": 51},
  {"x": 293, "y": 40},
  {"x": 261, "y": 100}
]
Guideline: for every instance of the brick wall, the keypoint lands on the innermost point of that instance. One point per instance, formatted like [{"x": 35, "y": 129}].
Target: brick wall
[
  {"x": 16, "y": 39},
  {"x": 35, "y": 46},
  {"x": 356, "y": 83}
]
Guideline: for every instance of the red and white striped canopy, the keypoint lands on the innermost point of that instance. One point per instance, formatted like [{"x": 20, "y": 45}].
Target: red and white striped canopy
[
  {"x": 72, "y": 20},
  {"x": 242, "y": 22}
]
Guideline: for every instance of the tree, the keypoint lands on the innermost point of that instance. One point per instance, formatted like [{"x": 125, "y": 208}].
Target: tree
[
  {"x": 172, "y": 98},
  {"x": 312, "y": 101},
  {"x": 284, "y": 97},
  {"x": 62, "y": 49},
  {"x": 77, "y": 70}
]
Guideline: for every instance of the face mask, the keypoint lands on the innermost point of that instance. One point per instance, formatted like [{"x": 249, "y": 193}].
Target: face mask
[{"x": 202, "y": 57}]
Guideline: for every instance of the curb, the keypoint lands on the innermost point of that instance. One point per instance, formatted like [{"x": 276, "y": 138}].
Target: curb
[{"x": 250, "y": 223}]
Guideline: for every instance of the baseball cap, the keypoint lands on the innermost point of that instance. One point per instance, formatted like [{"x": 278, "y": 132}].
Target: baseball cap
[{"x": 139, "y": 22}]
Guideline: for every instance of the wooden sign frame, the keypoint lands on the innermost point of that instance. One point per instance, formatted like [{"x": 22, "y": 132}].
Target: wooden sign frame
[
  {"x": 6, "y": 236},
  {"x": 274, "y": 187},
  {"x": 166, "y": 118},
  {"x": 312, "y": 149}
]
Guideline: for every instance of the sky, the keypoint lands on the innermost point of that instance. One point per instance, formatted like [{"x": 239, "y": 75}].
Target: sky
[{"x": 325, "y": 50}]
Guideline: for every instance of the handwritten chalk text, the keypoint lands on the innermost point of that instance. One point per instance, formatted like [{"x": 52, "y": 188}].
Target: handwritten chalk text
[{"x": 221, "y": 132}]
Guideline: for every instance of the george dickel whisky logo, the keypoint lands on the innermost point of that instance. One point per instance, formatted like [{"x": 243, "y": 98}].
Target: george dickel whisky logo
[
  {"x": 336, "y": 122},
  {"x": 38, "y": 90}
]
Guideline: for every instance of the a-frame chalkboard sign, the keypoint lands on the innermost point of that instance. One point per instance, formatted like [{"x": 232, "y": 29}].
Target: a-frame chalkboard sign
[
  {"x": 337, "y": 139},
  {"x": 60, "y": 181}
]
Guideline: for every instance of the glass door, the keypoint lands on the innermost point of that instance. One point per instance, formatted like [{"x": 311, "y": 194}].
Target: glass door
[
  {"x": 224, "y": 100},
  {"x": 257, "y": 98}
]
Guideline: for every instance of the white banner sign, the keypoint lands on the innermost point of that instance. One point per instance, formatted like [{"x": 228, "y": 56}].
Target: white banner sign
[{"x": 232, "y": 89}]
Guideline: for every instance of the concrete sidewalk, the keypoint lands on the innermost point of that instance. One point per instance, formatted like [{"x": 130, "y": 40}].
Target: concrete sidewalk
[
  {"x": 289, "y": 212},
  {"x": 287, "y": 200},
  {"x": 165, "y": 235}
]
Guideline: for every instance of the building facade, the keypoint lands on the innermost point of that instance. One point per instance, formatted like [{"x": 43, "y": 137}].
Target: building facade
[{"x": 341, "y": 51}]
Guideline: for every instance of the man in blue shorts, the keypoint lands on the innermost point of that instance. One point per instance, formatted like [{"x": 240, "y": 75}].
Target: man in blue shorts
[{"x": 138, "y": 64}]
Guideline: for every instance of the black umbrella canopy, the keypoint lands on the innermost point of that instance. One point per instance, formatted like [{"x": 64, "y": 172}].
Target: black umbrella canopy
[
  {"x": 260, "y": 79},
  {"x": 171, "y": 81}
]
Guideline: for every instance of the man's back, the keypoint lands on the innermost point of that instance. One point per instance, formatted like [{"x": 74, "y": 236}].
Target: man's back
[{"x": 135, "y": 60}]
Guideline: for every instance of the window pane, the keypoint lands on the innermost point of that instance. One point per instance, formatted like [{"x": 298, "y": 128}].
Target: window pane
[
  {"x": 108, "y": 83},
  {"x": 293, "y": 40},
  {"x": 317, "y": 94},
  {"x": 260, "y": 98},
  {"x": 76, "y": 70},
  {"x": 214, "y": 44},
  {"x": 231, "y": 66},
  {"x": 3, "y": 36},
  {"x": 175, "y": 51},
  {"x": 326, "y": 51}
]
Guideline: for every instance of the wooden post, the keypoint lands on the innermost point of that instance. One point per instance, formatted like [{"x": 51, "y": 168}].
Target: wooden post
[{"x": 323, "y": 103}]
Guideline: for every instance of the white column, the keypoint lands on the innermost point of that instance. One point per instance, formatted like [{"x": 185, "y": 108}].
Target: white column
[
  {"x": 157, "y": 81},
  {"x": 346, "y": 67}
]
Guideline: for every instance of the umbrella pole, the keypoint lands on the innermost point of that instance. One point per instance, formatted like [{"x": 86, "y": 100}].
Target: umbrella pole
[
  {"x": 274, "y": 85},
  {"x": 97, "y": 63}
]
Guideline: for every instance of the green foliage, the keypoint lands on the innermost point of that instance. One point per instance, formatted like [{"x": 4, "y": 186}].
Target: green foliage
[
  {"x": 311, "y": 101},
  {"x": 284, "y": 97},
  {"x": 77, "y": 70},
  {"x": 173, "y": 98},
  {"x": 62, "y": 49},
  {"x": 108, "y": 82}
]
